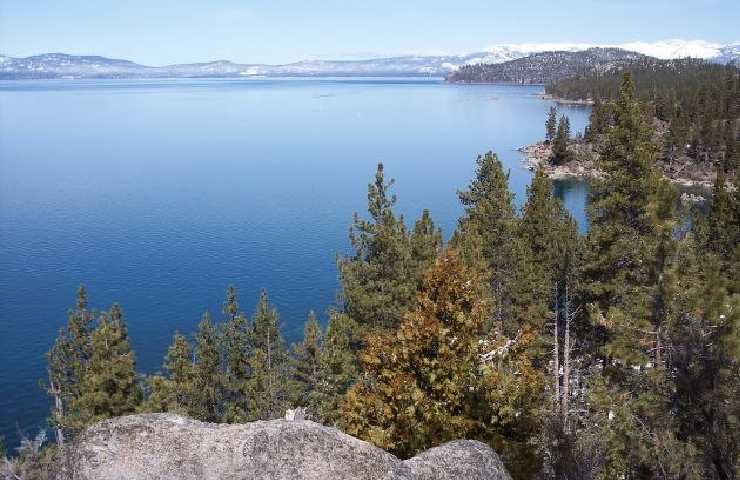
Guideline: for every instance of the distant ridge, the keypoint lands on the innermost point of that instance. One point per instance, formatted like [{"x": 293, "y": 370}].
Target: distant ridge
[
  {"x": 552, "y": 67},
  {"x": 61, "y": 65},
  {"x": 548, "y": 67}
]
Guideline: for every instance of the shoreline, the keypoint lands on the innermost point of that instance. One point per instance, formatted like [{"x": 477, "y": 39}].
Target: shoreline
[
  {"x": 538, "y": 154},
  {"x": 567, "y": 101}
]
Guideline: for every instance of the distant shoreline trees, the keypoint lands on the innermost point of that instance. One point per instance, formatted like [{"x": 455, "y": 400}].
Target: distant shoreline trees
[{"x": 698, "y": 101}]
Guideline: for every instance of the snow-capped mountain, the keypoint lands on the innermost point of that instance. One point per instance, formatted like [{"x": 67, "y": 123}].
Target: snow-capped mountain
[
  {"x": 664, "y": 50},
  {"x": 671, "y": 49},
  {"x": 547, "y": 67},
  {"x": 728, "y": 53},
  {"x": 506, "y": 53},
  {"x": 60, "y": 65}
]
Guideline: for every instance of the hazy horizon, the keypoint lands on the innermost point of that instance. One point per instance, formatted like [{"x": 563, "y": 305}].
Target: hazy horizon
[
  {"x": 259, "y": 32},
  {"x": 647, "y": 48}
]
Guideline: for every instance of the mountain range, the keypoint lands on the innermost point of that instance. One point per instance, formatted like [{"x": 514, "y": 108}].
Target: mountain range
[
  {"x": 548, "y": 67},
  {"x": 61, "y": 65}
]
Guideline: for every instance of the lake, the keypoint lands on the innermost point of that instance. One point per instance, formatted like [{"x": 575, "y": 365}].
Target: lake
[{"x": 159, "y": 194}]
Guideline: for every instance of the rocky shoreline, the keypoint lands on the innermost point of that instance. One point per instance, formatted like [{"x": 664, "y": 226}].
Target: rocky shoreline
[
  {"x": 538, "y": 155},
  {"x": 567, "y": 101},
  {"x": 583, "y": 166}
]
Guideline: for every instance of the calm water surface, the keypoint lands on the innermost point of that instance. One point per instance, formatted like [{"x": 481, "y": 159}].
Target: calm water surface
[{"x": 159, "y": 194}]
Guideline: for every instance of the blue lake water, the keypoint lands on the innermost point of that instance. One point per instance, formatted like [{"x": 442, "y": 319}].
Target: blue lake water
[{"x": 159, "y": 194}]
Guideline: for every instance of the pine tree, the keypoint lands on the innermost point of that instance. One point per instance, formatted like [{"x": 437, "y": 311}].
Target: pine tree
[
  {"x": 731, "y": 152},
  {"x": 179, "y": 367},
  {"x": 432, "y": 360},
  {"x": 337, "y": 370},
  {"x": 551, "y": 124},
  {"x": 236, "y": 349},
  {"x": 307, "y": 356},
  {"x": 434, "y": 379},
  {"x": 426, "y": 243},
  {"x": 706, "y": 364},
  {"x": 721, "y": 228},
  {"x": 80, "y": 344},
  {"x": 486, "y": 238},
  {"x": 630, "y": 282},
  {"x": 551, "y": 238},
  {"x": 560, "y": 153},
  {"x": 208, "y": 377},
  {"x": 553, "y": 245},
  {"x": 734, "y": 263},
  {"x": 109, "y": 387},
  {"x": 267, "y": 388},
  {"x": 597, "y": 120},
  {"x": 68, "y": 360},
  {"x": 174, "y": 391},
  {"x": 618, "y": 207},
  {"x": 377, "y": 280}
]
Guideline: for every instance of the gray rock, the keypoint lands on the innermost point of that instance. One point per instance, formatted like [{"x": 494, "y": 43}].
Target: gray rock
[
  {"x": 164, "y": 447},
  {"x": 297, "y": 414}
]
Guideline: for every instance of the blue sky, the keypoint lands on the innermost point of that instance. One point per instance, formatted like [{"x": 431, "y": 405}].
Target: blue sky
[{"x": 157, "y": 32}]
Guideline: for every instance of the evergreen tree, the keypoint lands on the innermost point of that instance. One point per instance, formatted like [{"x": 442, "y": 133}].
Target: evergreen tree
[
  {"x": 560, "y": 153},
  {"x": 68, "y": 361},
  {"x": 553, "y": 246},
  {"x": 175, "y": 391},
  {"x": 208, "y": 377},
  {"x": 722, "y": 229},
  {"x": 267, "y": 388},
  {"x": 618, "y": 207},
  {"x": 731, "y": 151},
  {"x": 337, "y": 371},
  {"x": 486, "y": 237},
  {"x": 236, "y": 361},
  {"x": 426, "y": 243},
  {"x": 377, "y": 280},
  {"x": 179, "y": 367},
  {"x": 598, "y": 119},
  {"x": 706, "y": 361},
  {"x": 425, "y": 384},
  {"x": 551, "y": 124},
  {"x": 551, "y": 237},
  {"x": 432, "y": 360},
  {"x": 307, "y": 356},
  {"x": 79, "y": 336},
  {"x": 630, "y": 282},
  {"x": 109, "y": 387}
]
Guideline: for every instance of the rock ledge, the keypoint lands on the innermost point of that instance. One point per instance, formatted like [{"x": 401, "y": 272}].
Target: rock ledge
[{"x": 165, "y": 446}]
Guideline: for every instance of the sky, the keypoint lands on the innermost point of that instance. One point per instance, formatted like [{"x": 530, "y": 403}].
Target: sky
[{"x": 160, "y": 32}]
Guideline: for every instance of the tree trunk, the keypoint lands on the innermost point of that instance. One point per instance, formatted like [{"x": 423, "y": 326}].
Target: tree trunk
[
  {"x": 556, "y": 351},
  {"x": 270, "y": 393},
  {"x": 58, "y": 410},
  {"x": 566, "y": 359}
]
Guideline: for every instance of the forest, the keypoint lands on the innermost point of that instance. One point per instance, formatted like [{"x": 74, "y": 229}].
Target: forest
[
  {"x": 614, "y": 354},
  {"x": 547, "y": 67},
  {"x": 698, "y": 103}
]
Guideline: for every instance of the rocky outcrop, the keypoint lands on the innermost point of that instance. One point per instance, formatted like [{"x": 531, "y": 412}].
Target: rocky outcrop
[
  {"x": 681, "y": 171},
  {"x": 164, "y": 446},
  {"x": 582, "y": 166}
]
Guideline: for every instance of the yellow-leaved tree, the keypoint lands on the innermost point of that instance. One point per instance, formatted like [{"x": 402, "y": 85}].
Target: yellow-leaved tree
[{"x": 441, "y": 377}]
